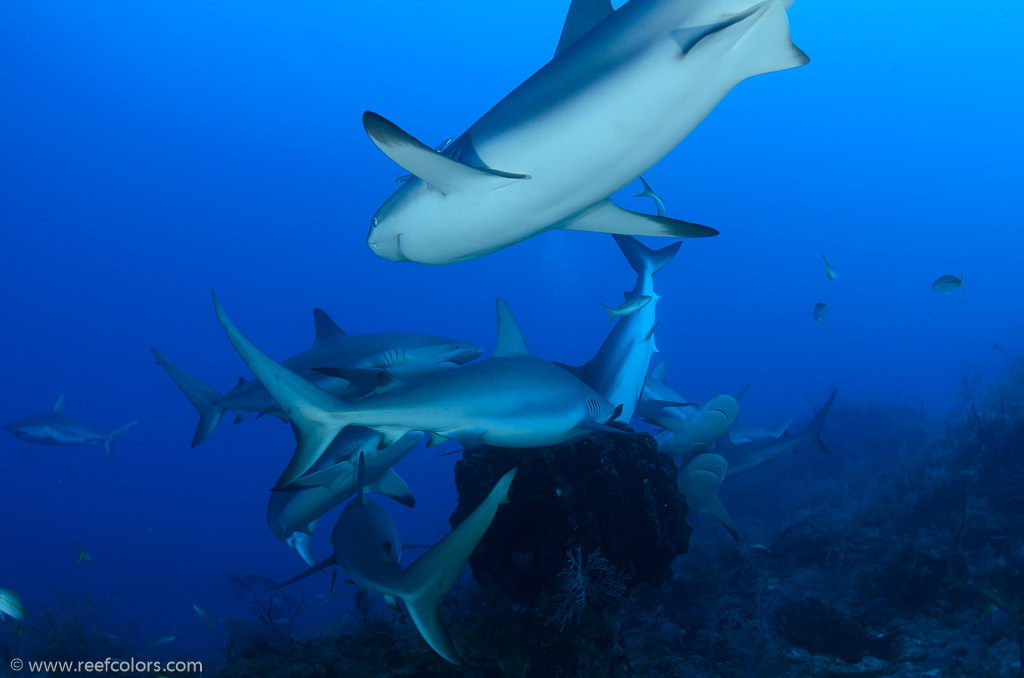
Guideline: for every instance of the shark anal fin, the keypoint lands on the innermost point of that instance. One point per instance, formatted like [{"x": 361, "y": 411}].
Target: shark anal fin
[{"x": 607, "y": 217}]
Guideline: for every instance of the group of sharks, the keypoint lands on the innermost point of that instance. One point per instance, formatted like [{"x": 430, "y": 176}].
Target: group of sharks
[{"x": 623, "y": 88}]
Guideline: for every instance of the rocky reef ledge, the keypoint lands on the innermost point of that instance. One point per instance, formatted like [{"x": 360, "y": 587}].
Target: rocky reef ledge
[{"x": 605, "y": 492}]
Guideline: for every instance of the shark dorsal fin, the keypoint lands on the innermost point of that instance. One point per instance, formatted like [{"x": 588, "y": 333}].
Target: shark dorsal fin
[
  {"x": 658, "y": 373},
  {"x": 583, "y": 15},
  {"x": 59, "y": 405},
  {"x": 325, "y": 327},
  {"x": 510, "y": 337}
]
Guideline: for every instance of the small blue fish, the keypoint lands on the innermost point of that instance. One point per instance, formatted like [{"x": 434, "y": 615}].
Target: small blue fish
[
  {"x": 947, "y": 284},
  {"x": 819, "y": 313},
  {"x": 830, "y": 272},
  {"x": 164, "y": 640},
  {"x": 10, "y": 605},
  {"x": 202, "y": 615}
]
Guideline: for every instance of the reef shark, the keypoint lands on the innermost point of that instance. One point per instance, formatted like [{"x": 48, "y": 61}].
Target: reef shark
[
  {"x": 700, "y": 432},
  {"x": 656, "y": 395},
  {"x": 57, "y": 429},
  {"x": 511, "y": 399},
  {"x": 749, "y": 456},
  {"x": 623, "y": 89},
  {"x": 367, "y": 546},
  {"x": 619, "y": 368},
  {"x": 699, "y": 480},
  {"x": 361, "y": 356},
  {"x": 292, "y": 514}
]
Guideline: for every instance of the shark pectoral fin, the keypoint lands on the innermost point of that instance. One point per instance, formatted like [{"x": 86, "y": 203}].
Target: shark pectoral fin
[
  {"x": 390, "y": 436},
  {"x": 108, "y": 440},
  {"x": 594, "y": 426},
  {"x": 414, "y": 156},
  {"x": 313, "y": 570},
  {"x": 59, "y": 405},
  {"x": 322, "y": 478},
  {"x": 583, "y": 15},
  {"x": 391, "y": 485},
  {"x": 425, "y": 584},
  {"x": 717, "y": 510},
  {"x": 607, "y": 217},
  {"x": 361, "y": 380},
  {"x": 202, "y": 396},
  {"x": 747, "y": 44},
  {"x": 240, "y": 417}
]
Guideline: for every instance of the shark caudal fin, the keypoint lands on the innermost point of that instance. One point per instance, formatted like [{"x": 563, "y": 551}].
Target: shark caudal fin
[
  {"x": 812, "y": 434},
  {"x": 427, "y": 581},
  {"x": 108, "y": 440},
  {"x": 744, "y": 45},
  {"x": 203, "y": 397},
  {"x": 643, "y": 259},
  {"x": 316, "y": 415}
]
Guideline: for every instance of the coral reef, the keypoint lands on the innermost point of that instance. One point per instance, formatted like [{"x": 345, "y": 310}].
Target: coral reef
[
  {"x": 898, "y": 556},
  {"x": 612, "y": 492}
]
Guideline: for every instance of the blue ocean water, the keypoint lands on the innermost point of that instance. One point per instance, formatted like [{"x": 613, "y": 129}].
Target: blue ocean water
[{"x": 152, "y": 151}]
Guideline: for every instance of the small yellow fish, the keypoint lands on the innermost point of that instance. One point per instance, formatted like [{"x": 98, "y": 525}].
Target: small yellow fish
[{"x": 629, "y": 306}]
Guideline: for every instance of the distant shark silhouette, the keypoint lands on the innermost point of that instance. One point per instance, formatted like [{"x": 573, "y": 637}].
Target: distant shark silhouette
[
  {"x": 623, "y": 89},
  {"x": 55, "y": 428},
  {"x": 753, "y": 454}
]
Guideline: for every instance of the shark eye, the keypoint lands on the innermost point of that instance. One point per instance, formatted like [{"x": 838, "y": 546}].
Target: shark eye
[{"x": 373, "y": 224}]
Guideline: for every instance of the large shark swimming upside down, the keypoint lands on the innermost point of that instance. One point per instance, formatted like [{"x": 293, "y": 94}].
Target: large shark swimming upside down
[{"x": 623, "y": 89}]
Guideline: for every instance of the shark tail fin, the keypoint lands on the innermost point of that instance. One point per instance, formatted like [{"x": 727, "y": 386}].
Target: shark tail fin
[
  {"x": 108, "y": 440},
  {"x": 427, "y": 581},
  {"x": 813, "y": 432},
  {"x": 203, "y": 397},
  {"x": 316, "y": 415},
  {"x": 643, "y": 259}
]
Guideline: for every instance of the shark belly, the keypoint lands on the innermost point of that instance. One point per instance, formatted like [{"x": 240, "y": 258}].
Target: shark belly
[{"x": 584, "y": 126}]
